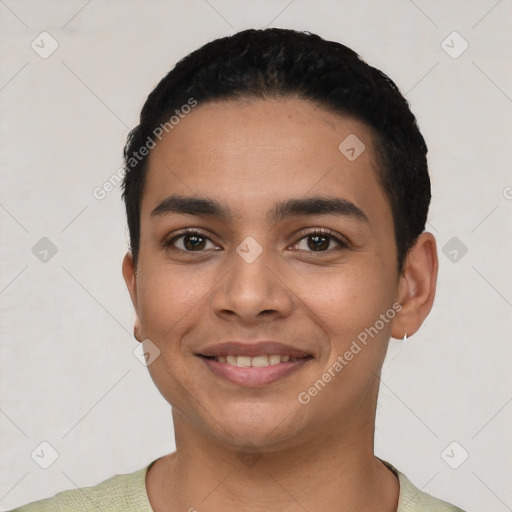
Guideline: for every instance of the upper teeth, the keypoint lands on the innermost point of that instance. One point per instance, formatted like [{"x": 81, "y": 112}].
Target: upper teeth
[{"x": 246, "y": 361}]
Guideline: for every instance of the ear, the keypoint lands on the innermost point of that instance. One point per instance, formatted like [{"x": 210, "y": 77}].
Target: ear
[
  {"x": 130, "y": 278},
  {"x": 417, "y": 286}
]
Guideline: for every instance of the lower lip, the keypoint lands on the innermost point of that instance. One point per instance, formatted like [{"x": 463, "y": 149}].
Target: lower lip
[{"x": 254, "y": 376}]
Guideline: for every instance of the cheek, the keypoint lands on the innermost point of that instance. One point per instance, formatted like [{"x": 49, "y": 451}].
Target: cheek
[
  {"x": 349, "y": 301},
  {"x": 168, "y": 297},
  {"x": 172, "y": 304}
]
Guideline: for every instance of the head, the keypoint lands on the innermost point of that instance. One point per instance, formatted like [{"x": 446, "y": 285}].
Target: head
[{"x": 254, "y": 141}]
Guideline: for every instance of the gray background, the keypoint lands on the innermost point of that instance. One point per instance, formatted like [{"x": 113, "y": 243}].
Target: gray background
[{"x": 68, "y": 375}]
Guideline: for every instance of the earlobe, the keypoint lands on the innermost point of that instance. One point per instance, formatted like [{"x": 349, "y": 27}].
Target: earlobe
[
  {"x": 130, "y": 278},
  {"x": 136, "y": 329},
  {"x": 417, "y": 286}
]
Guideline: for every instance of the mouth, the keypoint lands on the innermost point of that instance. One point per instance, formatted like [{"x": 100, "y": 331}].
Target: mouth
[
  {"x": 255, "y": 362},
  {"x": 254, "y": 371}
]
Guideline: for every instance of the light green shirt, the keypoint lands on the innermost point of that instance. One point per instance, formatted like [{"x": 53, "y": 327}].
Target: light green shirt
[{"x": 127, "y": 493}]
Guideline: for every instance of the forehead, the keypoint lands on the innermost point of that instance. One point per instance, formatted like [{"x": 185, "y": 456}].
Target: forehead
[{"x": 253, "y": 153}]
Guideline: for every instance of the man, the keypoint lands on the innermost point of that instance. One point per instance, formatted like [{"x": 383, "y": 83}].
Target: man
[{"x": 276, "y": 193}]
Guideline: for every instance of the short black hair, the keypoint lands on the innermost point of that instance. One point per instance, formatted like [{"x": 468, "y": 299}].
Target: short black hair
[{"x": 280, "y": 63}]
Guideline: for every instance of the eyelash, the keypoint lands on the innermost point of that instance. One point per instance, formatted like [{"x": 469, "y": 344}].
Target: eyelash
[{"x": 343, "y": 244}]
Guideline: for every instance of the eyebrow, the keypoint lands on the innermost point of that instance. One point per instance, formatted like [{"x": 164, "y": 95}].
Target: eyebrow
[{"x": 309, "y": 206}]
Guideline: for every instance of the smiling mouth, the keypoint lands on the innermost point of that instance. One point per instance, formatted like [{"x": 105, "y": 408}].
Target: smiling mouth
[
  {"x": 257, "y": 371},
  {"x": 257, "y": 361}
]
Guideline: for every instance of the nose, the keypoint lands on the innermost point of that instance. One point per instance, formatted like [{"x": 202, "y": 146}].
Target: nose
[{"x": 252, "y": 291}]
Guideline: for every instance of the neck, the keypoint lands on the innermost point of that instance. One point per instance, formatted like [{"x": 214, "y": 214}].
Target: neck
[{"x": 331, "y": 468}]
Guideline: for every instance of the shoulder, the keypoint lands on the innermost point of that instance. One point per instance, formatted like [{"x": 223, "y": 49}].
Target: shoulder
[
  {"x": 413, "y": 499},
  {"x": 120, "y": 493}
]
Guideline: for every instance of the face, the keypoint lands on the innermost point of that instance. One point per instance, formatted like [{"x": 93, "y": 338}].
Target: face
[{"x": 294, "y": 244}]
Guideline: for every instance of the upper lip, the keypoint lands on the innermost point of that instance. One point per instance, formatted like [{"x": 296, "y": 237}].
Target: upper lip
[{"x": 252, "y": 349}]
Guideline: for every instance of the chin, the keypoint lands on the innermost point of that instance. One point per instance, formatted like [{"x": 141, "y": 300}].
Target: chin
[{"x": 267, "y": 430}]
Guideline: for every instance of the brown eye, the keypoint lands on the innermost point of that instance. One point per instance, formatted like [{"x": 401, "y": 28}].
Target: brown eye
[
  {"x": 190, "y": 241},
  {"x": 320, "y": 241},
  {"x": 193, "y": 242}
]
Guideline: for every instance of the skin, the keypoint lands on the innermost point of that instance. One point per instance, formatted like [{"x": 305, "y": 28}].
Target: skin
[{"x": 249, "y": 154}]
